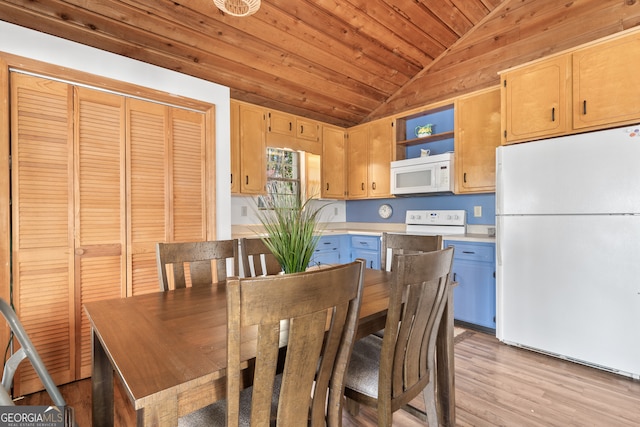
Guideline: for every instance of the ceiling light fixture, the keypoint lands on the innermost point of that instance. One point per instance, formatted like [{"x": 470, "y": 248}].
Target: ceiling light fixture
[{"x": 238, "y": 7}]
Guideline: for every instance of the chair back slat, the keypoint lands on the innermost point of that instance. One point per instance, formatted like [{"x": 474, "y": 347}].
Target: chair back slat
[
  {"x": 195, "y": 263},
  {"x": 257, "y": 258},
  {"x": 315, "y": 315}
]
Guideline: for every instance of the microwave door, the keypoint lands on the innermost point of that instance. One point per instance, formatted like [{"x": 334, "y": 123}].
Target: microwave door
[{"x": 413, "y": 179}]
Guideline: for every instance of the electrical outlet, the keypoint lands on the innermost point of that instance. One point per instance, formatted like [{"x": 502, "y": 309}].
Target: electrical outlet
[
  {"x": 243, "y": 211},
  {"x": 477, "y": 211}
]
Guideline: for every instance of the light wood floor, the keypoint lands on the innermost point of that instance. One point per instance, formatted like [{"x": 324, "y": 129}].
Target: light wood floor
[{"x": 496, "y": 385}]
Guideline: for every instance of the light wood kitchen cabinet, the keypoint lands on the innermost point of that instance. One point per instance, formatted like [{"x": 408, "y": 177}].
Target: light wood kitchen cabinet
[
  {"x": 253, "y": 149},
  {"x": 357, "y": 181},
  {"x": 477, "y": 119},
  {"x": 380, "y": 155},
  {"x": 370, "y": 152},
  {"x": 333, "y": 162},
  {"x": 293, "y": 132},
  {"x": 605, "y": 83},
  {"x": 587, "y": 88},
  {"x": 235, "y": 147},
  {"x": 308, "y": 129},
  {"x": 281, "y": 123},
  {"x": 97, "y": 179},
  {"x": 536, "y": 100}
]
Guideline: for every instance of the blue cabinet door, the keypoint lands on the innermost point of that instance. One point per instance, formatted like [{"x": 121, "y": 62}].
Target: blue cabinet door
[
  {"x": 367, "y": 248},
  {"x": 474, "y": 299},
  {"x": 327, "y": 250}
]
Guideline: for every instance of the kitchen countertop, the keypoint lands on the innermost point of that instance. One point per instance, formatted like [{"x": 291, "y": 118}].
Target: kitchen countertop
[{"x": 475, "y": 233}]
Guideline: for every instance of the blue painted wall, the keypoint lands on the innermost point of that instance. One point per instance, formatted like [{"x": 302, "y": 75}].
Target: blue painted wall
[
  {"x": 442, "y": 121},
  {"x": 367, "y": 210}
]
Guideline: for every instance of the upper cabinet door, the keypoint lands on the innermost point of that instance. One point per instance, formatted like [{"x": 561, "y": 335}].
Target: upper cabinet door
[
  {"x": 536, "y": 100},
  {"x": 235, "y": 148},
  {"x": 476, "y": 138},
  {"x": 605, "y": 83},
  {"x": 333, "y": 162},
  {"x": 357, "y": 162},
  {"x": 307, "y": 129},
  {"x": 381, "y": 150},
  {"x": 253, "y": 150},
  {"x": 281, "y": 123}
]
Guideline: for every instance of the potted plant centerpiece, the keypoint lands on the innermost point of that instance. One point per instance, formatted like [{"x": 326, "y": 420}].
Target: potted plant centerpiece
[{"x": 292, "y": 227}]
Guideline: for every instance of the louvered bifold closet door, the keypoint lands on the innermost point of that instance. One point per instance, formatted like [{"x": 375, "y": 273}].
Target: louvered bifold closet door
[
  {"x": 166, "y": 185},
  {"x": 187, "y": 179},
  {"x": 100, "y": 242},
  {"x": 42, "y": 223}
]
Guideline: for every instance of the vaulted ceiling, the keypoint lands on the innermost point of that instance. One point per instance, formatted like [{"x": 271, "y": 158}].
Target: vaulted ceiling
[{"x": 338, "y": 61}]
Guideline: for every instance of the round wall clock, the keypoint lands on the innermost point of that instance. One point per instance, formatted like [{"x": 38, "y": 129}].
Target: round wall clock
[{"x": 385, "y": 211}]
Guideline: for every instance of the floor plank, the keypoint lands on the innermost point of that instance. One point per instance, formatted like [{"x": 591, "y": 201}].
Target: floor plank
[{"x": 496, "y": 385}]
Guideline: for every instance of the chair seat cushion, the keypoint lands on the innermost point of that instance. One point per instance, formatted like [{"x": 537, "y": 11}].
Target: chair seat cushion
[
  {"x": 362, "y": 374},
  {"x": 215, "y": 414}
]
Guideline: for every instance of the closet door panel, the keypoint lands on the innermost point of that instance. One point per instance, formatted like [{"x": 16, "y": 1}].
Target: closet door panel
[
  {"x": 147, "y": 187},
  {"x": 187, "y": 176},
  {"x": 100, "y": 219},
  {"x": 42, "y": 223}
]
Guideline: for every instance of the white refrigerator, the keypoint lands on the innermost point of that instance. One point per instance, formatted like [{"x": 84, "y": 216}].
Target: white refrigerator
[{"x": 568, "y": 248}]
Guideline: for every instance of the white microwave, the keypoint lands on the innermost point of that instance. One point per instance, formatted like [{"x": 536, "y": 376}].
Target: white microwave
[{"x": 422, "y": 175}]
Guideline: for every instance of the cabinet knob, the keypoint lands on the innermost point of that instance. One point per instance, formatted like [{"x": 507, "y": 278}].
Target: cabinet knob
[{"x": 373, "y": 185}]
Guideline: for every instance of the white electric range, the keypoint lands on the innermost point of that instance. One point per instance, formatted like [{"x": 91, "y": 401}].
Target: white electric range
[{"x": 434, "y": 222}]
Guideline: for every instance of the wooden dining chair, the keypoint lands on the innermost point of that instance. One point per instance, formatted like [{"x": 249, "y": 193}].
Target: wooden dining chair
[
  {"x": 257, "y": 258},
  {"x": 314, "y": 314},
  {"x": 393, "y": 244},
  {"x": 387, "y": 373},
  {"x": 195, "y": 263}
]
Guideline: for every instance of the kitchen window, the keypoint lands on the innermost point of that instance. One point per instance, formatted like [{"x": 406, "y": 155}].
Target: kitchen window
[{"x": 283, "y": 175}]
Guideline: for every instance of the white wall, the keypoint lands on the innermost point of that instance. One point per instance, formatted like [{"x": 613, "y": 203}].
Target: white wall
[
  {"x": 334, "y": 211},
  {"x": 42, "y": 47}
]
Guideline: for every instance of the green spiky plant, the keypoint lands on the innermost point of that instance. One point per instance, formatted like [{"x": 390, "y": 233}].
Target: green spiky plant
[{"x": 292, "y": 228}]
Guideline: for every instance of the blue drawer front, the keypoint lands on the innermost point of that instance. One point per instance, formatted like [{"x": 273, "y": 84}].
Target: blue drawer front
[
  {"x": 365, "y": 242},
  {"x": 328, "y": 243},
  {"x": 473, "y": 251}
]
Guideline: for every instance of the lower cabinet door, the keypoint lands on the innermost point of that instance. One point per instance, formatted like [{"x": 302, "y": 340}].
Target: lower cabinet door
[
  {"x": 474, "y": 298},
  {"x": 371, "y": 257}
]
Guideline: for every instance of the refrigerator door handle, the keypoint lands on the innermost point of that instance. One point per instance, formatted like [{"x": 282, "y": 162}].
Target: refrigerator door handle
[
  {"x": 498, "y": 242},
  {"x": 499, "y": 180}
]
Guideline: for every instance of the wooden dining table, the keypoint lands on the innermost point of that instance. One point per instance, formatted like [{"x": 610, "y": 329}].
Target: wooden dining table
[{"x": 168, "y": 349}]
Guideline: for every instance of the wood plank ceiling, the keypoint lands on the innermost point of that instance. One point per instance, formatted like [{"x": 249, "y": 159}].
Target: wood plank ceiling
[
  {"x": 338, "y": 61},
  {"x": 331, "y": 60}
]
